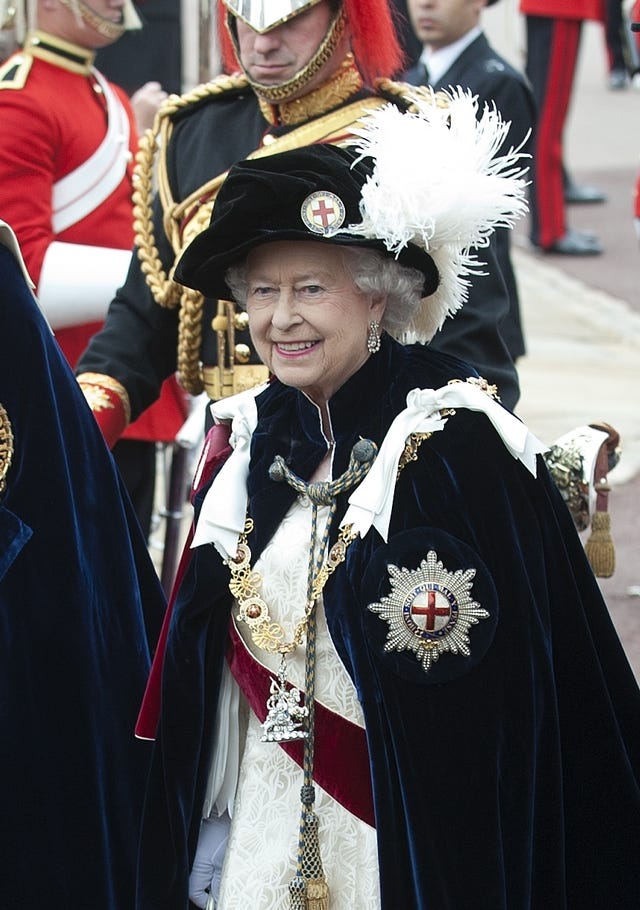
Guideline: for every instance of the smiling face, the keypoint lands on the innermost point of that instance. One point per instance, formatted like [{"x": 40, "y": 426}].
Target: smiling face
[{"x": 308, "y": 321}]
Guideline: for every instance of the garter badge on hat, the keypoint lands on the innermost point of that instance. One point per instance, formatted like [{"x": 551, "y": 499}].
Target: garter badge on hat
[
  {"x": 429, "y": 610},
  {"x": 323, "y": 213}
]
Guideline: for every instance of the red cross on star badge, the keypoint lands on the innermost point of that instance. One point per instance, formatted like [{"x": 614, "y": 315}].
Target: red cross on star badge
[{"x": 430, "y": 610}]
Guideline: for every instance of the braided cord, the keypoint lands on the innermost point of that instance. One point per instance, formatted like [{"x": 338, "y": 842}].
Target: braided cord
[{"x": 309, "y": 879}]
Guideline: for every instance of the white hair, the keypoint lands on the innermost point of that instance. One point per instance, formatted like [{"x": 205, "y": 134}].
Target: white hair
[{"x": 373, "y": 273}]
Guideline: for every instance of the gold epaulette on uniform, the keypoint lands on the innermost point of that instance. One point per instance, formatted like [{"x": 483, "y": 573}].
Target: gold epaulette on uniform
[
  {"x": 151, "y": 173},
  {"x": 410, "y": 95},
  {"x": 14, "y": 71},
  {"x": 221, "y": 85}
]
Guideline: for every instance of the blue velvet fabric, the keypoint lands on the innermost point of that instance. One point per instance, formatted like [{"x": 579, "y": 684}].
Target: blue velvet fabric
[
  {"x": 503, "y": 780},
  {"x": 79, "y": 602}
]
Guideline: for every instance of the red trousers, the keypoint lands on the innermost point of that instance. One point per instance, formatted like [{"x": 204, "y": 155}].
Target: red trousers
[{"x": 552, "y": 53}]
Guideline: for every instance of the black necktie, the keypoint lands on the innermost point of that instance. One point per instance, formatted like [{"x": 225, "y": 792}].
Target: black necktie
[{"x": 426, "y": 74}]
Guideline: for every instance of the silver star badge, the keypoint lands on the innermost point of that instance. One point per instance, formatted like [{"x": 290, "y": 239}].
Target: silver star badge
[{"x": 429, "y": 610}]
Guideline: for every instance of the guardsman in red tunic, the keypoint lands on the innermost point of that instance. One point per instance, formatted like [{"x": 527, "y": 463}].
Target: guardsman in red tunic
[
  {"x": 67, "y": 146},
  {"x": 553, "y": 36}
]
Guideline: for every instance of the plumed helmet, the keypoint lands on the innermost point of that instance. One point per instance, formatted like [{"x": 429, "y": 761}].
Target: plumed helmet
[{"x": 374, "y": 40}]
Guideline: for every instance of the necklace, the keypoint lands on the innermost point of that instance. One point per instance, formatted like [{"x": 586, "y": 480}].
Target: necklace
[{"x": 287, "y": 718}]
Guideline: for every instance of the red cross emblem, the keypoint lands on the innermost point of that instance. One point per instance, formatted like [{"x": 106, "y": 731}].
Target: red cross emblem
[
  {"x": 323, "y": 213},
  {"x": 425, "y": 604}
]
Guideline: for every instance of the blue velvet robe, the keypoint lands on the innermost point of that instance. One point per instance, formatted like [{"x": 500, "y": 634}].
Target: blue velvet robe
[
  {"x": 502, "y": 780},
  {"x": 79, "y": 601}
]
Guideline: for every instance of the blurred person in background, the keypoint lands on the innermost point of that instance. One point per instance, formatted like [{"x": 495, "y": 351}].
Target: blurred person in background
[
  {"x": 150, "y": 54},
  {"x": 553, "y": 31},
  {"x": 455, "y": 51},
  {"x": 617, "y": 39},
  {"x": 67, "y": 148}
]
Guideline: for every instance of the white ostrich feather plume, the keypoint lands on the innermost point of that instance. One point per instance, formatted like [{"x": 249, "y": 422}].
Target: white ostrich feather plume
[{"x": 440, "y": 182}]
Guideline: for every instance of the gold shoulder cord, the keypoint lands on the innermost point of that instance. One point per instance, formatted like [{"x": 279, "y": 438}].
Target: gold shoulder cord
[
  {"x": 411, "y": 94},
  {"x": 165, "y": 291},
  {"x": 6, "y": 447},
  {"x": 184, "y": 220}
]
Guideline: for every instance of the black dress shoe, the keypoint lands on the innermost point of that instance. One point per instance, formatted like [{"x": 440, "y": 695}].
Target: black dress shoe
[
  {"x": 575, "y": 243},
  {"x": 574, "y": 194}
]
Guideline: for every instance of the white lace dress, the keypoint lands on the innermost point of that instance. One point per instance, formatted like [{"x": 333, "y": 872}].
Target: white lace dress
[{"x": 261, "y": 855}]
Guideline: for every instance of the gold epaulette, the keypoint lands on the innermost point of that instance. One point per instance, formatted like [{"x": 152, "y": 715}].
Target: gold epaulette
[
  {"x": 411, "y": 95},
  {"x": 14, "y": 71}
]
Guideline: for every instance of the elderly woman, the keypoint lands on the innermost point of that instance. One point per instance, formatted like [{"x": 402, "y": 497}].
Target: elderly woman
[{"x": 390, "y": 679}]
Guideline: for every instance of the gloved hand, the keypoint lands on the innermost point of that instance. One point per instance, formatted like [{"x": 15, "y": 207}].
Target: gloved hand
[
  {"x": 145, "y": 103},
  {"x": 204, "y": 881}
]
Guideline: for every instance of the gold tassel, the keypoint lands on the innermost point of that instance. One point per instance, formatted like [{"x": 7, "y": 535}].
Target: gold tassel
[
  {"x": 599, "y": 548},
  {"x": 317, "y": 894}
]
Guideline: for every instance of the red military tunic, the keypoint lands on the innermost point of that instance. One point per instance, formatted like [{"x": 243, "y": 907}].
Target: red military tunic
[
  {"x": 53, "y": 109},
  {"x": 564, "y": 9}
]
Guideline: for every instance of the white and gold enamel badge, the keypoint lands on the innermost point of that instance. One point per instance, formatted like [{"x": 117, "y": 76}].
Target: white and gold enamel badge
[
  {"x": 429, "y": 610},
  {"x": 323, "y": 213}
]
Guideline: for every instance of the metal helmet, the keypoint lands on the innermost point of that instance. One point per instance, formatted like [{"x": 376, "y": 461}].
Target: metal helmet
[{"x": 374, "y": 40}]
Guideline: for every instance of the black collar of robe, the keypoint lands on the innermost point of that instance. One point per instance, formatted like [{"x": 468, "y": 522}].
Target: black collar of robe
[{"x": 289, "y": 424}]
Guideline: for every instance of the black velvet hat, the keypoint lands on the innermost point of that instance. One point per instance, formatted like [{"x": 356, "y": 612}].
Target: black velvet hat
[
  {"x": 425, "y": 189},
  {"x": 310, "y": 193}
]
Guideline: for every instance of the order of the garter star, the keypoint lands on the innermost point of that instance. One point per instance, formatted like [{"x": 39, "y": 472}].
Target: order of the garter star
[{"x": 429, "y": 610}]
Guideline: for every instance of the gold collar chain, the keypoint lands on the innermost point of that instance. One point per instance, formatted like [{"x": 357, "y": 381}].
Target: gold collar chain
[{"x": 245, "y": 585}]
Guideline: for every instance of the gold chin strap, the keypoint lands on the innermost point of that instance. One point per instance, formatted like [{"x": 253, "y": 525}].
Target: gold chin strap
[
  {"x": 102, "y": 25},
  {"x": 285, "y": 90},
  {"x": 345, "y": 82}
]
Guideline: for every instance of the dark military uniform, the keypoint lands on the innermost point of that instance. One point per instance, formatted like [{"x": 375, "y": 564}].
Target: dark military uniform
[{"x": 494, "y": 81}]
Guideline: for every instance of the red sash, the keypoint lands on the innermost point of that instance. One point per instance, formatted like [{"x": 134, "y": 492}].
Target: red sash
[
  {"x": 215, "y": 452},
  {"x": 341, "y": 762}
]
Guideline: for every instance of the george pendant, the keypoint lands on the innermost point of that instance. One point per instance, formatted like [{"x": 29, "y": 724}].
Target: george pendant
[{"x": 286, "y": 715}]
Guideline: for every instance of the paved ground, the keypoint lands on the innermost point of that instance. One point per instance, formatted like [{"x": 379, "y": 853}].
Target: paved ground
[{"x": 582, "y": 316}]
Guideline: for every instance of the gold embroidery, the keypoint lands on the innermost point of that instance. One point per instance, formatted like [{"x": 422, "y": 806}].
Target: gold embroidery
[
  {"x": 60, "y": 53},
  {"x": 344, "y": 83},
  {"x": 410, "y": 453},
  {"x": 411, "y": 95},
  {"x": 95, "y": 388},
  {"x": 481, "y": 383}
]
